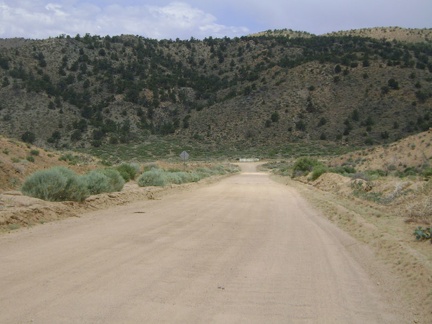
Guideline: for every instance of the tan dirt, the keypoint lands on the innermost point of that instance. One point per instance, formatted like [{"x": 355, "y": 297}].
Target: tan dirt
[
  {"x": 18, "y": 160},
  {"x": 246, "y": 249},
  {"x": 414, "y": 151}
]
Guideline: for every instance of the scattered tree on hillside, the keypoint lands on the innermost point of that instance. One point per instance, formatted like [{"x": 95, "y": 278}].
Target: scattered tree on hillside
[{"x": 28, "y": 137}]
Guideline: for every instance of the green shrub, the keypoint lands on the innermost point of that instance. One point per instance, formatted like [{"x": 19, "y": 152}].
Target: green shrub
[
  {"x": 128, "y": 171},
  {"x": 28, "y": 137},
  {"x": 116, "y": 180},
  {"x": 34, "y": 152},
  {"x": 159, "y": 177},
  {"x": 71, "y": 159},
  {"x": 344, "y": 169},
  {"x": 193, "y": 176},
  {"x": 317, "y": 171},
  {"x": 124, "y": 174},
  {"x": 176, "y": 177},
  {"x": 30, "y": 158},
  {"x": 423, "y": 233},
  {"x": 374, "y": 174},
  {"x": 207, "y": 172},
  {"x": 97, "y": 182},
  {"x": 150, "y": 166},
  {"x": 410, "y": 171},
  {"x": 154, "y": 177},
  {"x": 182, "y": 177},
  {"x": 427, "y": 173},
  {"x": 304, "y": 166},
  {"x": 56, "y": 184}
]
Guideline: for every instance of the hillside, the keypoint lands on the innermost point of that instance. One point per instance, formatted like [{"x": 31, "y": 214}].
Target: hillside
[
  {"x": 411, "y": 153},
  {"x": 410, "y": 35},
  {"x": 265, "y": 90},
  {"x": 18, "y": 160}
]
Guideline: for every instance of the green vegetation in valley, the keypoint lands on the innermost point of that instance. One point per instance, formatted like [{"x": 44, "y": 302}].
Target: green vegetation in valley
[{"x": 159, "y": 177}]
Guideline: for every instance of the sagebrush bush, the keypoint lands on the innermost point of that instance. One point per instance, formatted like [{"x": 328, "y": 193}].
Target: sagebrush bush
[
  {"x": 128, "y": 171},
  {"x": 116, "y": 180},
  {"x": 427, "y": 173},
  {"x": 206, "y": 171},
  {"x": 56, "y": 184},
  {"x": 215, "y": 170},
  {"x": 159, "y": 177},
  {"x": 150, "y": 166},
  {"x": 377, "y": 173},
  {"x": 193, "y": 176},
  {"x": 154, "y": 177},
  {"x": 62, "y": 184},
  {"x": 317, "y": 171},
  {"x": 304, "y": 166},
  {"x": 180, "y": 177},
  {"x": 97, "y": 182},
  {"x": 343, "y": 170}
]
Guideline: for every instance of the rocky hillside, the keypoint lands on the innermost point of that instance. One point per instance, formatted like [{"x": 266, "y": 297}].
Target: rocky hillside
[{"x": 267, "y": 89}]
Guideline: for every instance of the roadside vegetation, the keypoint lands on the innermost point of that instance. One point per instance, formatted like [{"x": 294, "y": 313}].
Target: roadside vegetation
[
  {"x": 159, "y": 177},
  {"x": 422, "y": 234},
  {"x": 63, "y": 184},
  {"x": 406, "y": 191}
]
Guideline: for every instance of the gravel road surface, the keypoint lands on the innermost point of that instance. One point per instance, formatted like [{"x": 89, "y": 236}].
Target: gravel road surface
[{"x": 242, "y": 250}]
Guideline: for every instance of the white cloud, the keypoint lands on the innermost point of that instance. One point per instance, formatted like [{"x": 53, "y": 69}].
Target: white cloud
[
  {"x": 202, "y": 18},
  {"x": 38, "y": 19},
  {"x": 56, "y": 9}
]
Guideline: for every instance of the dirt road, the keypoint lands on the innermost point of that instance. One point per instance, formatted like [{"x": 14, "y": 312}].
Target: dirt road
[{"x": 243, "y": 250}]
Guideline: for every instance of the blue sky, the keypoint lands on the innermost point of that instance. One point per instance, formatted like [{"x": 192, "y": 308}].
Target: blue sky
[{"x": 202, "y": 18}]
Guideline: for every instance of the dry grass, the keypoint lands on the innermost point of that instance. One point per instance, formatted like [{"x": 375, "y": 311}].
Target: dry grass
[
  {"x": 411, "y": 152},
  {"x": 418, "y": 207},
  {"x": 15, "y": 167}
]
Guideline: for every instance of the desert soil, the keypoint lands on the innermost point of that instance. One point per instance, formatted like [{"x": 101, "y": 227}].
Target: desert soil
[{"x": 244, "y": 249}]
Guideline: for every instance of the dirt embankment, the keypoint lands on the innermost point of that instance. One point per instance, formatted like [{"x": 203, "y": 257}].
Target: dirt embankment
[
  {"x": 17, "y": 210},
  {"x": 411, "y": 152}
]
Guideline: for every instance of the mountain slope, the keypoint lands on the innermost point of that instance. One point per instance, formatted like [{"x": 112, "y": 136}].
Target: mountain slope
[{"x": 267, "y": 89}]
